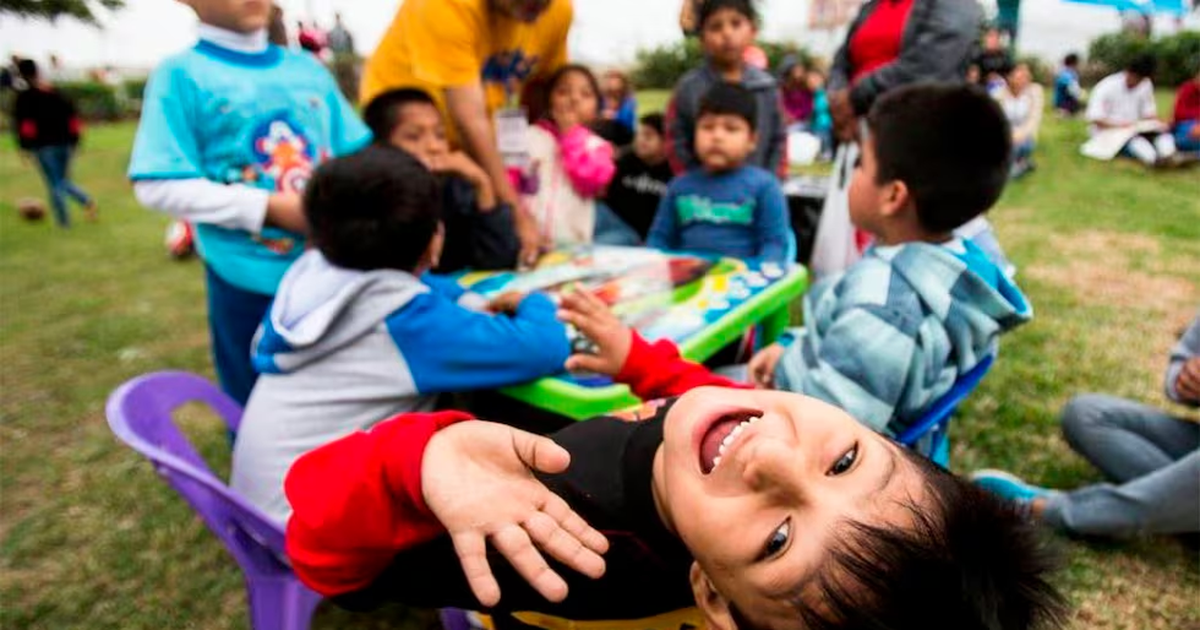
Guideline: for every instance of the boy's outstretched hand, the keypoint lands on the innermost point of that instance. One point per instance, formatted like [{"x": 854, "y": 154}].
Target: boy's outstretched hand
[
  {"x": 477, "y": 479},
  {"x": 762, "y": 366},
  {"x": 593, "y": 318}
]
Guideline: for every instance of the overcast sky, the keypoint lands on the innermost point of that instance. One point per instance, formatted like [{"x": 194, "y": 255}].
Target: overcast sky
[{"x": 605, "y": 31}]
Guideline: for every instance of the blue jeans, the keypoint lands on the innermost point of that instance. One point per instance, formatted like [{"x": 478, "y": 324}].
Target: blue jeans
[
  {"x": 234, "y": 315},
  {"x": 1151, "y": 459},
  {"x": 1183, "y": 137},
  {"x": 55, "y": 163}
]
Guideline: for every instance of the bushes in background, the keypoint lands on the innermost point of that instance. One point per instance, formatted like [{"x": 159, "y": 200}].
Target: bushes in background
[{"x": 1178, "y": 56}]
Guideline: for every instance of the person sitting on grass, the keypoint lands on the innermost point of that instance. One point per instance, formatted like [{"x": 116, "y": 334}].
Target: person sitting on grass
[
  {"x": 1186, "y": 122},
  {"x": 1023, "y": 101},
  {"x": 726, "y": 207},
  {"x": 641, "y": 180},
  {"x": 727, "y": 31},
  {"x": 1125, "y": 100},
  {"x": 359, "y": 331},
  {"x": 761, "y": 509},
  {"x": 891, "y": 336},
  {"x": 1068, "y": 94},
  {"x": 478, "y": 226},
  {"x": 1151, "y": 460}
]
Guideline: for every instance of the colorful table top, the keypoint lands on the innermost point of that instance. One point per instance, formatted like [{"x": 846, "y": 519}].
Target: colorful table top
[{"x": 700, "y": 303}]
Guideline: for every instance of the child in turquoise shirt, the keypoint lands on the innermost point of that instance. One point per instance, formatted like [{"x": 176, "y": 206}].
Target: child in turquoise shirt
[{"x": 231, "y": 131}]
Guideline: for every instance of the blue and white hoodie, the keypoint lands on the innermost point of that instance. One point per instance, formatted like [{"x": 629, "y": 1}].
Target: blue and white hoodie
[
  {"x": 341, "y": 350},
  {"x": 890, "y": 336}
]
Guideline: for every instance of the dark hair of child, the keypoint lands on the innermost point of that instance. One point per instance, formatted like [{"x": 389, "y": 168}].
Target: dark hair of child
[
  {"x": 561, "y": 74},
  {"x": 28, "y": 70},
  {"x": 950, "y": 145},
  {"x": 375, "y": 209},
  {"x": 382, "y": 114},
  {"x": 709, "y": 7},
  {"x": 1143, "y": 65},
  {"x": 970, "y": 561},
  {"x": 728, "y": 99},
  {"x": 653, "y": 121},
  {"x": 1071, "y": 60}
]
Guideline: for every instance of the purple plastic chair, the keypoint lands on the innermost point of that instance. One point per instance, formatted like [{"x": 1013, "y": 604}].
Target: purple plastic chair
[{"x": 140, "y": 414}]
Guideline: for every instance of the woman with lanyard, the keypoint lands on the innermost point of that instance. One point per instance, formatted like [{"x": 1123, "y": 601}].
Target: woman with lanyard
[{"x": 891, "y": 43}]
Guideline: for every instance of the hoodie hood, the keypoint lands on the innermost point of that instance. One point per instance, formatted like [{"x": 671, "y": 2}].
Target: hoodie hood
[
  {"x": 320, "y": 308},
  {"x": 964, "y": 289}
]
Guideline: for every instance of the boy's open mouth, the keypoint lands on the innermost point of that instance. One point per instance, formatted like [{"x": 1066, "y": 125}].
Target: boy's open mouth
[{"x": 723, "y": 433}]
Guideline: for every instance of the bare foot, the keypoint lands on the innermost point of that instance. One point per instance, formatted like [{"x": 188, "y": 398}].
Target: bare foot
[{"x": 91, "y": 212}]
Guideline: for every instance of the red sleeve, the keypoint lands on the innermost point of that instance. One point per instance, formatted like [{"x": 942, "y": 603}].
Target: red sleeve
[
  {"x": 357, "y": 502},
  {"x": 656, "y": 371}
]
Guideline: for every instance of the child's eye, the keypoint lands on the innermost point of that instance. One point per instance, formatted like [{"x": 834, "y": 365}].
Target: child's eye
[
  {"x": 844, "y": 464},
  {"x": 778, "y": 539}
]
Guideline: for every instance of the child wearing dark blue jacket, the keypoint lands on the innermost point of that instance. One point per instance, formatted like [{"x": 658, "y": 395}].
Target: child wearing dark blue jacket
[{"x": 726, "y": 207}]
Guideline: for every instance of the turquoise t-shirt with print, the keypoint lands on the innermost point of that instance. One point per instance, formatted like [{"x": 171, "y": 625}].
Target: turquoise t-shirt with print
[{"x": 264, "y": 120}]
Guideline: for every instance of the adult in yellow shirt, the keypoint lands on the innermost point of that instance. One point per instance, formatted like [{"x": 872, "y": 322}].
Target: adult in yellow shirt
[{"x": 474, "y": 57}]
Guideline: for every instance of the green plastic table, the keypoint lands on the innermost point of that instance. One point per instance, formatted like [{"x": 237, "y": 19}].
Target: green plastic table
[{"x": 766, "y": 306}]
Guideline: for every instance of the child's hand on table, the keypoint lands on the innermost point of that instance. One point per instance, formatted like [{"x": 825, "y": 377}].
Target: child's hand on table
[
  {"x": 506, "y": 303},
  {"x": 762, "y": 366},
  {"x": 477, "y": 479},
  {"x": 593, "y": 318}
]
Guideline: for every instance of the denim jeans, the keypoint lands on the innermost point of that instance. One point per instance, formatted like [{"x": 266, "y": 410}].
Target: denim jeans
[
  {"x": 55, "y": 163},
  {"x": 1151, "y": 459},
  {"x": 234, "y": 315}
]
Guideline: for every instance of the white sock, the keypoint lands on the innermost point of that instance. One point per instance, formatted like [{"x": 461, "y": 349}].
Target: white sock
[{"x": 1142, "y": 150}]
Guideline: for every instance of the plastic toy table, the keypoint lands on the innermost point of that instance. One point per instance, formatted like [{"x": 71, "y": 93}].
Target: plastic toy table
[{"x": 702, "y": 304}]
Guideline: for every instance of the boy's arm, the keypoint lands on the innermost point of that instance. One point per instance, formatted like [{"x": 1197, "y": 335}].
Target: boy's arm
[
  {"x": 166, "y": 167},
  {"x": 652, "y": 371},
  {"x": 655, "y": 371},
  {"x": 772, "y": 224},
  {"x": 451, "y": 349},
  {"x": 363, "y": 499},
  {"x": 664, "y": 230},
  {"x": 357, "y": 501},
  {"x": 861, "y": 364},
  {"x": 680, "y": 130}
]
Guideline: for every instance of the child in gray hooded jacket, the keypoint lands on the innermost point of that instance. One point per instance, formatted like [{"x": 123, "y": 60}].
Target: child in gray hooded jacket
[{"x": 360, "y": 332}]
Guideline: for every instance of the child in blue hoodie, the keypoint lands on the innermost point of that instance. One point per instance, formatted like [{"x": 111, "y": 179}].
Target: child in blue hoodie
[{"x": 359, "y": 332}]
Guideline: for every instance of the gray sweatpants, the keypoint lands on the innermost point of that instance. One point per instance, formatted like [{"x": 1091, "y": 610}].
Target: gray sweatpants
[{"x": 1152, "y": 460}]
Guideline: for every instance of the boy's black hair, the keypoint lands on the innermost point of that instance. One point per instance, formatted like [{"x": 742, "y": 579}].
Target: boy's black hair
[
  {"x": 709, "y": 7},
  {"x": 950, "y": 145},
  {"x": 562, "y": 73},
  {"x": 1071, "y": 60},
  {"x": 28, "y": 69},
  {"x": 375, "y": 209},
  {"x": 1143, "y": 65},
  {"x": 732, "y": 100},
  {"x": 970, "y": 561},
  {"x": 382, "y": 114},
  {"x": 654, "y": 121}
]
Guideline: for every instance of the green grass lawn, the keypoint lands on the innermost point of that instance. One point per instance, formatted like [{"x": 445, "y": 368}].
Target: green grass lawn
[{"x": 90, "y": 538}]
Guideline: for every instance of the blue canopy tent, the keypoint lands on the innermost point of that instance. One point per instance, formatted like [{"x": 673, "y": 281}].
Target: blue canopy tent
[{"x": 1149, "y": 7}]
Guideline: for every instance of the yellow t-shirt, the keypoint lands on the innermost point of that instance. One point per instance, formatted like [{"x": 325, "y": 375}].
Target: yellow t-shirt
[{"x": 440, "y": 44}]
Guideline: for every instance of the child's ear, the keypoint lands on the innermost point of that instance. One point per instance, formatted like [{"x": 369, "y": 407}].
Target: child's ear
[
  {"x": 712, "y": 604},
  {"x": 433, "y": 253},
  {"x": 896, "y": 198},
  {"x": 753, "y": 140}
]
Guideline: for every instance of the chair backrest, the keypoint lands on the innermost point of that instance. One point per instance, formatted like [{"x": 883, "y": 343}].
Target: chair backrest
[
  {"x": 934, "y": 422},
  {"x": 140, "y": 413}
]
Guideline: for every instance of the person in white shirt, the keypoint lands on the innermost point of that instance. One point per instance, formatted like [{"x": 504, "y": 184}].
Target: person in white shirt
[
  {"x": 1023, "y": 102},
  {"x": 1125, "y": 99}
]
